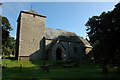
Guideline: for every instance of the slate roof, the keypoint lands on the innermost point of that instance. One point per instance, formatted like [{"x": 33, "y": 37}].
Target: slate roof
[
  {"x": 54, "y": 33},
  {"x": 61, "y": 35},
  {"x": 65, "y": 36},
  {"x": 30, "y": 12},
  {"x": 33, "y": 12},
  {"x": 86, "y": 43}
]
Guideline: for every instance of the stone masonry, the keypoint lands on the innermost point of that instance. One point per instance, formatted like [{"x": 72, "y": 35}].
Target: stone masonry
[{"x": 36, "y": 42}]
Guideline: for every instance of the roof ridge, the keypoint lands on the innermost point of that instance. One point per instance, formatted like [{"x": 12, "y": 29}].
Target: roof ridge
[
  {"x": 62, "y": 30},
  {"x": 33, "y": 12}
]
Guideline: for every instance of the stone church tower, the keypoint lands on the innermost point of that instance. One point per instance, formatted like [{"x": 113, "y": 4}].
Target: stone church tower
[
  {"x": 30, "y": 32},
  {"x": 36, "y": 42}
]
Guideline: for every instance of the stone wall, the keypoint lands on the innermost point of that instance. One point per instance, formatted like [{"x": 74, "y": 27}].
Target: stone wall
[
  {"x": 67, "y": 49},
  {"x": 35, "y": 42},
  {"x": 32, "y": 29}
]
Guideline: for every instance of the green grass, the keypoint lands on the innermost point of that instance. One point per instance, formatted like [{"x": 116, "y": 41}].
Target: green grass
[{"x": 31, "y": 69}]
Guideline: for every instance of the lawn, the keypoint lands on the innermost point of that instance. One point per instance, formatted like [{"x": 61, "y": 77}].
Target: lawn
[{"x": 32, "y": 70}]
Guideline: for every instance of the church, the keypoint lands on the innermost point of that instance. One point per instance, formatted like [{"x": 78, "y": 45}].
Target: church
[{"x": 34, "y": 41}]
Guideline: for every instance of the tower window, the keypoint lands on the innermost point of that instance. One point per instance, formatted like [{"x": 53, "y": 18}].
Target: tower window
[{"x": 33, "y": 40}]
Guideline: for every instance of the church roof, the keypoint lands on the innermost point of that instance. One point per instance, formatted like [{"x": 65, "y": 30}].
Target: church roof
[
  {"x": 65, "y": 36},
  {"x": 54, "y": 33},
  {"x": 30, "y": 12},
  {"x": 86, "y": 43},
  {"x": 33, "y": 12},
  {"x": 61, "y": 34}
]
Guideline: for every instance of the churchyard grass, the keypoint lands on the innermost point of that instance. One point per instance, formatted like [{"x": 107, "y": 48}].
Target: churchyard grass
[{"x": 32, "y": 69}]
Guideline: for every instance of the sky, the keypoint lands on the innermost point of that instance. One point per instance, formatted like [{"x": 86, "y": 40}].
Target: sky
[{"x": 69, "y": 16}]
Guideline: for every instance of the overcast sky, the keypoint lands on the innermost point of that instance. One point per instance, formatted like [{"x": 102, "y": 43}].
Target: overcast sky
[{"x": 69, "y": 16}]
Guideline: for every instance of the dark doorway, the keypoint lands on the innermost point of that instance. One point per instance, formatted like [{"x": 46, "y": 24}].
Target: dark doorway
[{"x": 58, "y": 54}]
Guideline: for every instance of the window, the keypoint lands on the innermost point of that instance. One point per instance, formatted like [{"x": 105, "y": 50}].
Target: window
[{"x": 33, "y": 39}]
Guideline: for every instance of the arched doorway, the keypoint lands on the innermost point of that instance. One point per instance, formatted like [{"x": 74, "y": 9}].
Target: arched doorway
[{"x": 58, "y": 54}]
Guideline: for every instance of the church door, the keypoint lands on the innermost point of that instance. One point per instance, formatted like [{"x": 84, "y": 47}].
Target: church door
[{"x": 58, "y": 54}]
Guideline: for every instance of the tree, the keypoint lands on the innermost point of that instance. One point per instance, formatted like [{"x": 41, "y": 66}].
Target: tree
[
  {"x": 8, "y": 43},
  {"x": 6, "y": 28},
  {"x": 9, "y": 46},
  {"x": 103, "y": 32}
]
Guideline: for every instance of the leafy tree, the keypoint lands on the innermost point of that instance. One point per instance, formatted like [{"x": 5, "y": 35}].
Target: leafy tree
[
  {"x": 9, "y": 46},
  {"x": 6, "y": 28},
  {"x": 8, "y": 43},
  {"x": 103, "y": 32}
]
